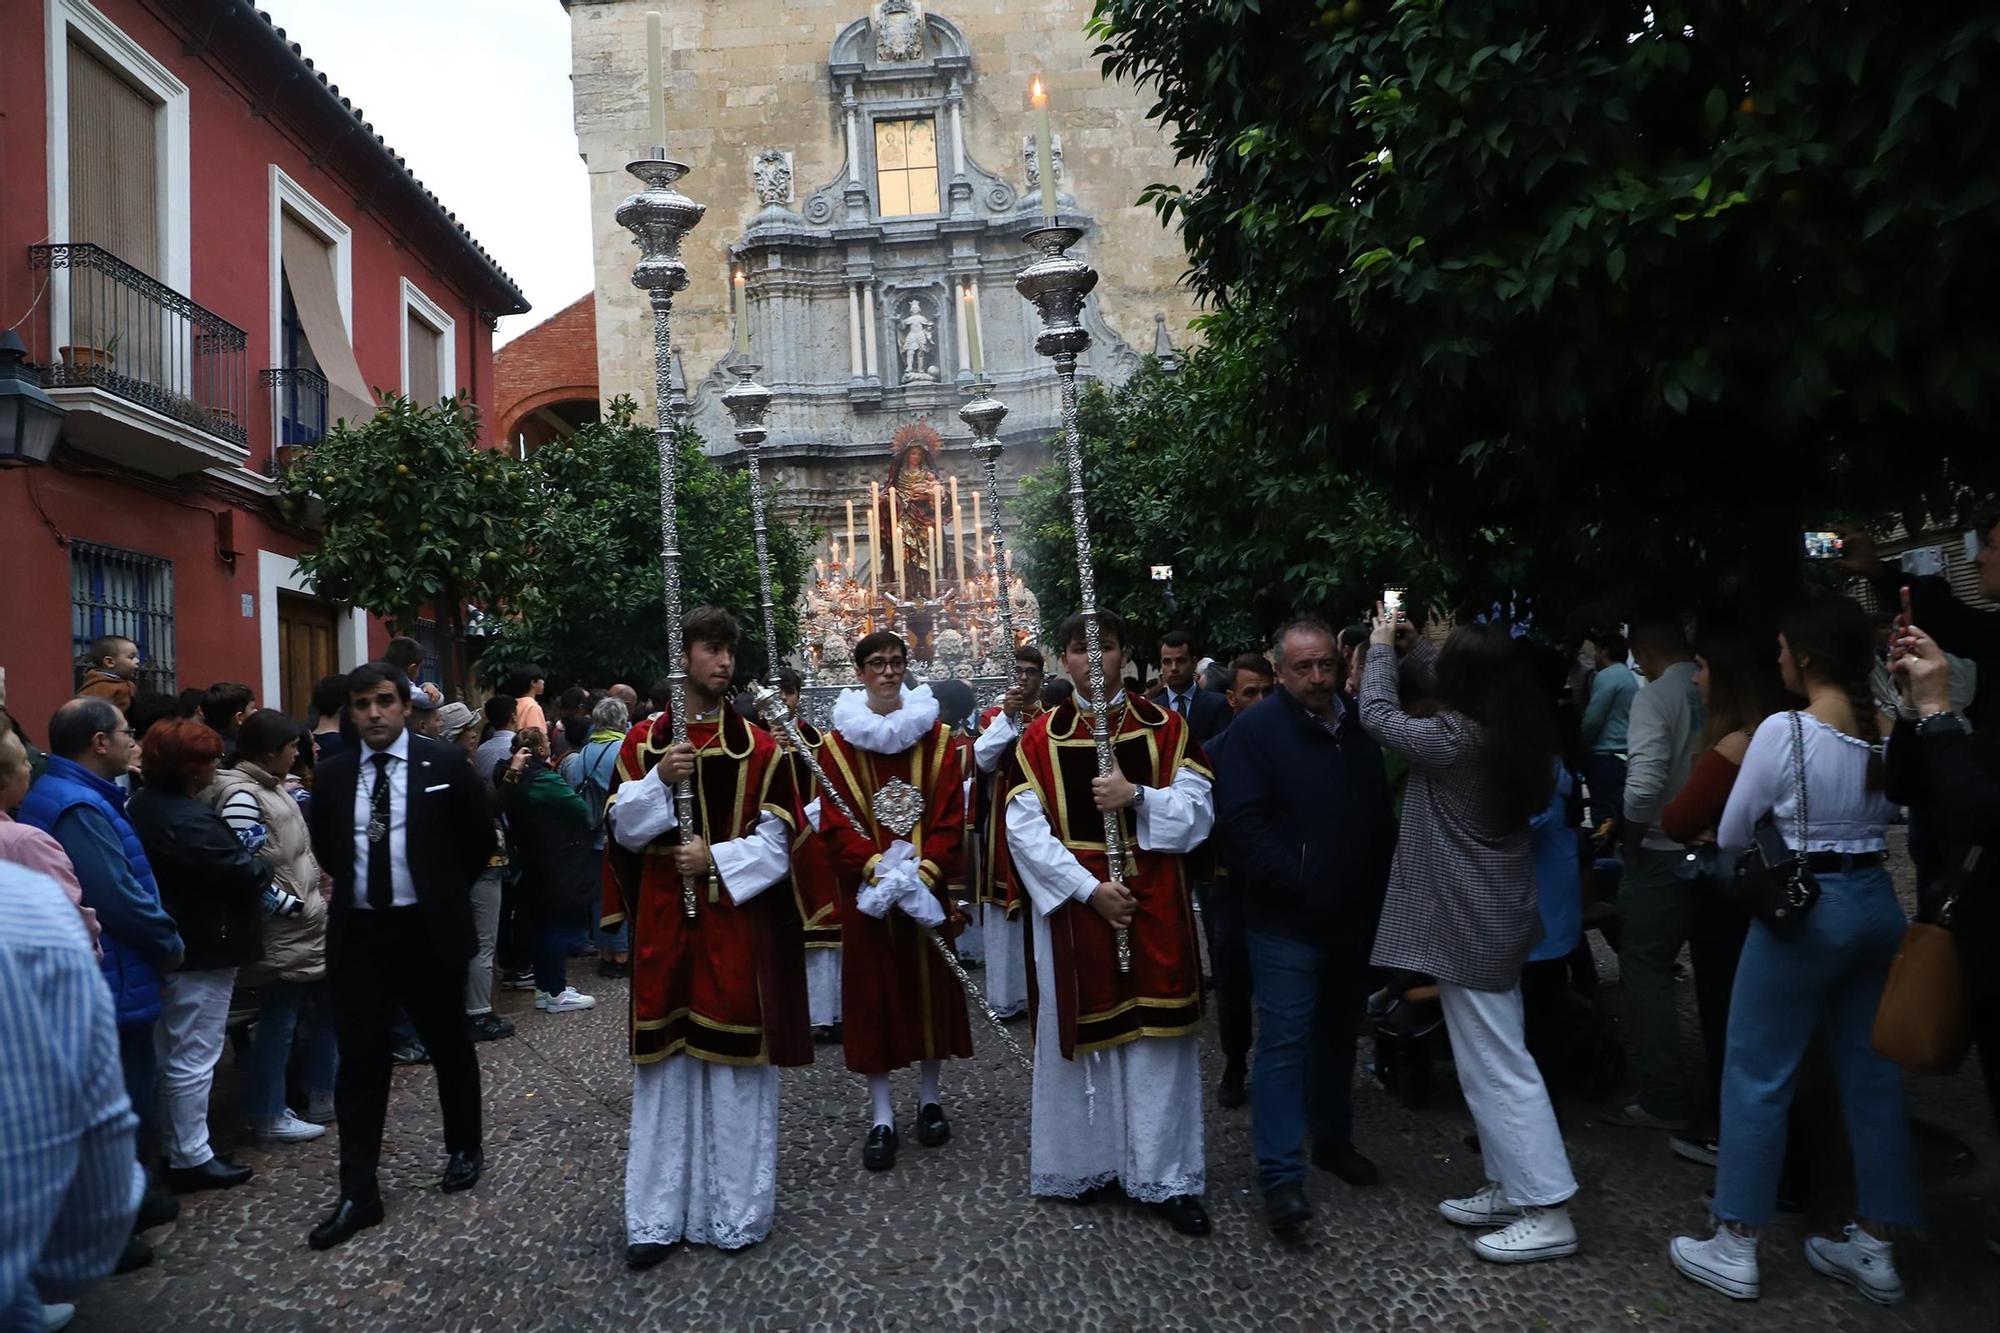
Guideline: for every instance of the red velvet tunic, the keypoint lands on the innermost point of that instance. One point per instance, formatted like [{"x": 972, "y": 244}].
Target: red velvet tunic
[
  {"x": 729, "y": 985},
  {"x": 1096, "y": 1005},
  {"x": 899, "y": 1003},
  {"x": 812, "y": 865}
]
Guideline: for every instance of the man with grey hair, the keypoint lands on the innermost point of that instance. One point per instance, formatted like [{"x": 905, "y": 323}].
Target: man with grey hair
[{"x": 1303, "y": 810}]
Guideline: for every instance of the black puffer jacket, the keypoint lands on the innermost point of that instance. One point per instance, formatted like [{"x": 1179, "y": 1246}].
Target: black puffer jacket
[
  {"x": 549, "y": 828},
  {"x": 209, "y": 883}
]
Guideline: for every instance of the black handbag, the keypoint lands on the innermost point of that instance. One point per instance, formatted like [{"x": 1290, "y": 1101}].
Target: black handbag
[{"x": 1773, "y": 882}]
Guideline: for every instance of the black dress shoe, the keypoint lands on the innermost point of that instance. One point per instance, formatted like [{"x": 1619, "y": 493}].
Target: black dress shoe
[
  {"x": 136, "y": 1255},
  {"x": 348, "y": 1217},
  {"x": 1184, "y": 1212},
  {"x": 156, "y": 1210},
  {"x": 1286, "y": 1209},
  {"x": 462, "y": 1172},
  {"x": 489, "y": 1026},
  {"x": 1349, "y": 1165},
  {"x": 611, "y": 967},
  {"x": 933, "y": 1130},
  {"x": 644, "y": 1254},
  {"x": 412, "y": 1054},
  {"x": 1231, "y": 1093},
  {"x": 214, "y": 1174},
  {"x": 879, "y": 1153}
]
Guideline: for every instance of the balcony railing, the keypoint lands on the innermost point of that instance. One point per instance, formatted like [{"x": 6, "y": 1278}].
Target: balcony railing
[
  {"x": 129, "y": 334},
  {"x": 298, "y": 411}
]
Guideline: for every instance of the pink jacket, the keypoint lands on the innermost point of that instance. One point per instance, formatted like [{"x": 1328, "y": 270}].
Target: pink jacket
[{"x": 25, "y": 845}]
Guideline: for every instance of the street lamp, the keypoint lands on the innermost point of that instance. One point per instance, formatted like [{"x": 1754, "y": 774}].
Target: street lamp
[{"x": 29, "y": 418}]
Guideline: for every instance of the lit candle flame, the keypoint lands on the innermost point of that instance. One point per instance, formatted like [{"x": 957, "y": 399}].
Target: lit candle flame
[{"x": 1036, "y": 92}]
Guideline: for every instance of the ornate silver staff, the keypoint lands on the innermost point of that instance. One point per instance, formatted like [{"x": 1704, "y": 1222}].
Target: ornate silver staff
[
  {"x": 1057, "y": 284},
  {"x": 748, "y": 401},
  {"x": 660, "y": 216},
  {"x": 984, "y": 414},
  {"x": 771, "y": 707}
]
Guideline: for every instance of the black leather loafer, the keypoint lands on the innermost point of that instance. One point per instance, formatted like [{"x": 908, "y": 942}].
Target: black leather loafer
[
  {"x": 879, "y": 1153},
  {"x": 933, "y": 1130},
  {"x": 156, "y": 1210},
  {"x": 1286, "y": 1209},
  {"x": 1349, "y": 1165},
  {"x": 1185, "y": 1214},
  {"x": 462, "y": 1172},
  {"x": 348, "y": 1217},
  {"x": 644, "y": 1254},
  {"x": 214, "y": 1174},
  {"x": 1231, "y": 1093}
]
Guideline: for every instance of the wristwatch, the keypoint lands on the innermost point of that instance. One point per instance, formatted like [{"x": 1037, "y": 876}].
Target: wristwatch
[{"x": 1138, "y": 799}]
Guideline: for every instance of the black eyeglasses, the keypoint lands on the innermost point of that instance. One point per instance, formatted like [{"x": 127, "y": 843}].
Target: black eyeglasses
[{"x": 884, "y": 665}]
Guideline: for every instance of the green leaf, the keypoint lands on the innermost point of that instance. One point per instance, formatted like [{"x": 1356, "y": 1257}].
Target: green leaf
[
  {"x": 1676, "y": 396},
  {"x": 1614, "y": 264}
]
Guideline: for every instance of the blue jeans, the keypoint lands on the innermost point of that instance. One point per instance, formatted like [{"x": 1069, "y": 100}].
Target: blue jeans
[
  {"x": 1308, "y": 1002},
  {"x": 1830, "y": 977},
  {"x": 289, "y": 1008}
]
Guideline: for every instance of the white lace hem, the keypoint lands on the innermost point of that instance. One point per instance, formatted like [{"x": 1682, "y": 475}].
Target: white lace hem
[{"x": 1158, "y": 1191}]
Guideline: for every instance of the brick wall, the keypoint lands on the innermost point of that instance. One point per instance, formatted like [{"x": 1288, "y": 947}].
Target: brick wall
[{"x": 555, "y": 360}]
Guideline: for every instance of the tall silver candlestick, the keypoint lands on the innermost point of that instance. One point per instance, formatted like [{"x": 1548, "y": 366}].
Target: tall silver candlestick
[
  {"x": 1057, "y": 284},
  {"x": 748, "y": 401},
  {"x": 659, "y": 215},
  {"x": 984, "y": 414}
]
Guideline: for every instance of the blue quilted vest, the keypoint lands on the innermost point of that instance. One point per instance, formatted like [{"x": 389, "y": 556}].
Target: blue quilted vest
[{"x": 135, "y": 983}]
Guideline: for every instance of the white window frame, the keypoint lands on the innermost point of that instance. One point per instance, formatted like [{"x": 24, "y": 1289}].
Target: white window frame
[
  {"x": 280, "y": 573},
  {"x": 288, "y": 195},
  {"x": 446, "y": 328},
  {"x": 118, "y": 49}
]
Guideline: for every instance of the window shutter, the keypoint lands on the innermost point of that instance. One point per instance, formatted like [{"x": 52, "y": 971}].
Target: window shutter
[
  {"x": 113, "y": 163},
  {"x": 423, "y": 389},
  {"x": 309, "y": 272}
]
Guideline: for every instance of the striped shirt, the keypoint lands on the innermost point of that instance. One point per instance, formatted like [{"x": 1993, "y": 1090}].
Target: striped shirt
[{"x": 69, "y": 1176}]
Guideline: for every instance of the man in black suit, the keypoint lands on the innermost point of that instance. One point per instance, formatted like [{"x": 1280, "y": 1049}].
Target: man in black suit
[
  {"x": 1205, "y": 711},
  {"x": 404, "y": 827}
]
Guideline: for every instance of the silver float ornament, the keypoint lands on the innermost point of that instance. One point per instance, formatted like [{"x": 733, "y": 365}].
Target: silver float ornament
[
  {"x": 1057, "y": 284},
  {"x": 659, "y": 216},
  {"x": 778, "y": 718},
  {"x": 984, "y": 414},
  {"x": 748, "y": 402}
]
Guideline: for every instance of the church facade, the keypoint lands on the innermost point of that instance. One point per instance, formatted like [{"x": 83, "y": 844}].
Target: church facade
[{"x": 869, "y": 171}]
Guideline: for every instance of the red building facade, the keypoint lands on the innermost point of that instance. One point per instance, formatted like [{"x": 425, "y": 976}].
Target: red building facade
[{"x": 209, "y": 256}]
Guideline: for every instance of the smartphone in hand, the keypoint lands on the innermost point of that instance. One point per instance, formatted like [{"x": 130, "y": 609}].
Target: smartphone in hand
[{"x": 1825, "y": 546}]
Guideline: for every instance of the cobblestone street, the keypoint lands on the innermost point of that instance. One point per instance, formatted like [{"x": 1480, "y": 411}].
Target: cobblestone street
[{"x": 950, "y": 1239}]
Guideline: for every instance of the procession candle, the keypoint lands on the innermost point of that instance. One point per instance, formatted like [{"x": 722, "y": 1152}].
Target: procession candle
[
  {"x": 850, "y": 530},
  {"x": 971, "y": 324},
  {"x": 742, "y": 314},
  {"x": 656, "y": 87},
  {"x": 1043, "y": 147},
  {"x": 978, "y": 539},
  {"x": 957, "y": 534},
  {"x": 937, "y": 534},
  {"x": 975, "y": 643},
  {"x": 874, "y": 545},
  {"x": 896, "y": 544}
]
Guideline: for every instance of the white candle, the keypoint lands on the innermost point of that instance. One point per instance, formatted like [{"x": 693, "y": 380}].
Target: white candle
[
  {"x": 850, "y": 529},
  {"x": 874, "y": 543},
  {"x": 896, "y": 543},
  {"x": 656, "y": 86},
  {"x": 742, "y": 314},
  {"x": 978, "y": 550},
  {"x": 971, "y": 323},
  {"x": 937, "y": 535},
  {"x": 957, "y": 534},
  {"x": 1044, "y": 142}
]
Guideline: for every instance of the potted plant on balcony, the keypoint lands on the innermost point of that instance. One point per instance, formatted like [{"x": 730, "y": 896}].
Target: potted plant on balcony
[
  {"x": 288, "y": 456},
  {"x": 90, "y": 357}
]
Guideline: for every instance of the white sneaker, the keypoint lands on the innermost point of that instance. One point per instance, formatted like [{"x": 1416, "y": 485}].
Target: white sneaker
[
  {"x": 1539, "y": 1233},
  {"x": 57, "y": 1316},
  {"x": 569, "y": 1001},
  {"x": 1725, "y": 1262},
  {"x": 288, "y": 1128},
  {"x": 1488, "y": 1208},
  {"x": 1862, "y": 1261}
]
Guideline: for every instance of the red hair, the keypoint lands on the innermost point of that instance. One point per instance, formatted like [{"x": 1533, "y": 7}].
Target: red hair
[{"x": 174, "y": 750}]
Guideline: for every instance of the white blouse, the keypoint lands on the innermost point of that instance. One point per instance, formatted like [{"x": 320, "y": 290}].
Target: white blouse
[{"x": 1842, "y": 815}]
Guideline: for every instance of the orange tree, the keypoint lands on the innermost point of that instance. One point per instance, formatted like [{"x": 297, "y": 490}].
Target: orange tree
[{"x": 1654, "y": 284}]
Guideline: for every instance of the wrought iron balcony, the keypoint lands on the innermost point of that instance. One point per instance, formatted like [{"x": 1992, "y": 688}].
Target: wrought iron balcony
[
  {"x": 298, "y": 412},
  {"x": 114, "y": 329}
]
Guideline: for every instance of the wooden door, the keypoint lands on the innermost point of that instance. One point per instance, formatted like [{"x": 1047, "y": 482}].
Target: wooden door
[{"x": 306, "y": 651}]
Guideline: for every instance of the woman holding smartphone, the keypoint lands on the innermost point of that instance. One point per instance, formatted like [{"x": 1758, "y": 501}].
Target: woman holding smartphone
[{"x": 1817, "y": 776}]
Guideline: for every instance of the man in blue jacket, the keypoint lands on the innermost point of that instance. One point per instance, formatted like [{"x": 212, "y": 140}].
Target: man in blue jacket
[
  {"x": 78, "y": 802},
  {"x": 1303, "y": 810}
]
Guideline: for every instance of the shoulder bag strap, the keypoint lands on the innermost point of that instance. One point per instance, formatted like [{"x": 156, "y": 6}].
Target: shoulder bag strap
[{"x": 1799, "y": 778}]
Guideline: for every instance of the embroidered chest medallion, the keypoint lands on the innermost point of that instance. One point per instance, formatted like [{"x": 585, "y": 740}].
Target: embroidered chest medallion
[{"x": 898, "y": 806}]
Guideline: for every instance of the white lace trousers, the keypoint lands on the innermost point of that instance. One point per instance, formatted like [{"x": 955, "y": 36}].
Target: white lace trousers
[
  {"x": 1130, "y": 1114},
  {"x": 823, "y": 986},
  {"x": 1006, "y": 959},
  {"x": 703, "y": 1164}
]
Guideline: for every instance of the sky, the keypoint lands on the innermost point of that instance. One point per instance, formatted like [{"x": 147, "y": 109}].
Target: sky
[{"x": 475, "y": 95}]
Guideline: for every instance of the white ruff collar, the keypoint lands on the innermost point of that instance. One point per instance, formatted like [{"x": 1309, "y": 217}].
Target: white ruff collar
[{"x": 885, "y": 733}]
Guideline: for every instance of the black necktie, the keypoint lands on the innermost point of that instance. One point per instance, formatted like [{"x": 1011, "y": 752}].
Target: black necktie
[
  {"x": 1183, "y": 704},
  {"x": 381, "y": 887}
]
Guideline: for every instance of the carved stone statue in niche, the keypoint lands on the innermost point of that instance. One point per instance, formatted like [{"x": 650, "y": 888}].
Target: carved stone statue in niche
[
  {"x": 916, "y": 341},
  {"x": 1034, "y": 166},
  {"x": 771, "y": 176},
  {"x": 899, "y": 31}
]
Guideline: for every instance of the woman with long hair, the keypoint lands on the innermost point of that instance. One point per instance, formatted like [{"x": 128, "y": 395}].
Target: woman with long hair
[
  {"x": 1817, "y": 776},
  {"x": 218, "y": 894},
  {"x": 1739, "y": 688},
  {"x": 1461, "y": 907}
]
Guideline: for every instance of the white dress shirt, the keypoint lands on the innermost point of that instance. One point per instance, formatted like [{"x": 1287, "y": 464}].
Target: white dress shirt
[
  {"x": 1175, "y": 819},
  {"x": 991, "y": 746},
  {"x": 644, "y": 810},
  {"x": 403, "y": 889}
]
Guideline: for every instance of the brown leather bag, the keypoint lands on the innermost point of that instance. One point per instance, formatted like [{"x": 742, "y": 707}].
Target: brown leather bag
[{"x": 1923, "y": 1022}]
